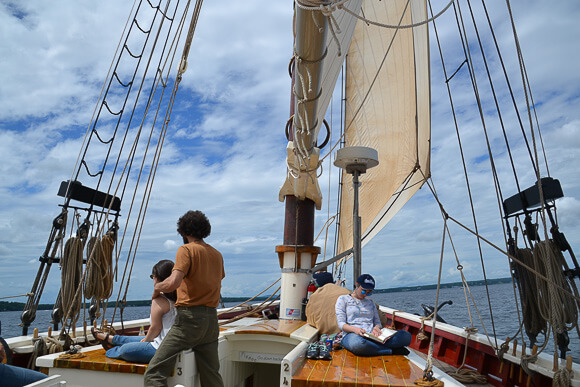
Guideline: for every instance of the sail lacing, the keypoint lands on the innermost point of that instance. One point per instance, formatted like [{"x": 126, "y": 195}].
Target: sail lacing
[{"x": 304, "y": 129}]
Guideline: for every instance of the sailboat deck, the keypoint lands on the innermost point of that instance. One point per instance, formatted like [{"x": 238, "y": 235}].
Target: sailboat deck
[
  {"x": 346, "y": 369},
  {"x": 96, "y": 360}
]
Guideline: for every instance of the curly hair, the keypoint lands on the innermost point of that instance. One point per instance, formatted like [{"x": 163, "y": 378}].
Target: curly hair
[
  {"x": 194, "y": 224},
  {"x": 162, "y": 270}
]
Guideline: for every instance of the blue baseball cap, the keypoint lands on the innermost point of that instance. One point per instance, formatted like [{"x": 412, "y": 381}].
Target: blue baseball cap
[{"x": 366, "y": 281}]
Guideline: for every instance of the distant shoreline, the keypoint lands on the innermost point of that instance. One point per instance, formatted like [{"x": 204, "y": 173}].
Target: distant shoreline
[{"x": 19, "y": 306}]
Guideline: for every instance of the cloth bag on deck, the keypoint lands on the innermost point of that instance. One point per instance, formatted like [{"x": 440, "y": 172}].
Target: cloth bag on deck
[{"x": 320, "y": 311}]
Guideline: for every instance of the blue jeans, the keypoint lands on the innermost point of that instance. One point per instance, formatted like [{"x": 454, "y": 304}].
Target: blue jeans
[
  {"x": 12, "y": 376},
  {"x": 360, "y": 346},
  {"x": 131, "y": 348}
]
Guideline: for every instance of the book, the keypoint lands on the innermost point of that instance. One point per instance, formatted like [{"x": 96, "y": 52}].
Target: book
[{"x": 386, "y": 334}]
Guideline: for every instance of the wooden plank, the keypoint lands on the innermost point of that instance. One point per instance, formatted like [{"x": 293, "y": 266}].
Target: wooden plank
[
  {"x": 346, "y": 369},
  {"x": 97, "y": 361}
]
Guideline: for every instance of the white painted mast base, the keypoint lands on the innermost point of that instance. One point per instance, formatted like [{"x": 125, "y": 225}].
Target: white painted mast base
[{"x": 295, "y": 263}]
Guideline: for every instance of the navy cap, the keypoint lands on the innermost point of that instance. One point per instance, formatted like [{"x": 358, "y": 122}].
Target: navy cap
[
  {"x": 322, "y": 278},
  {"x": 366, "y": 281}
]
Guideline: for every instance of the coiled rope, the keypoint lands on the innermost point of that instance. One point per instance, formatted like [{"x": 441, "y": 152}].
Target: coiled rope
[
  {"x": 99, "y": 272},
  {"x": 44, "y": 346},
  {"x": 71, "y": 273},
  {"x": 464, "y": 375},
  {"x": 534, "y": 323},
  {"x": 549, "y": 259}
]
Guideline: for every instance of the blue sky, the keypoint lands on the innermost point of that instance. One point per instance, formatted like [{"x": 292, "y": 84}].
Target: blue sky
[{"x": 225, "y": 151}]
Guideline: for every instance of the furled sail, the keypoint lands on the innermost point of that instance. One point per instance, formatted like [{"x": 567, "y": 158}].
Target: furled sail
[
  {"x": 388, "y": 109},
  {"x": 321, "y": 42}
]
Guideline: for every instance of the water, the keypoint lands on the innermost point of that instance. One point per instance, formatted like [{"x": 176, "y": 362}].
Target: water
[{"x": 502, "y": 301}]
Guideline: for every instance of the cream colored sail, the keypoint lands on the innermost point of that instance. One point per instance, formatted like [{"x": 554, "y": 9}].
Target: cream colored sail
[{"x": 388, "y": 109}]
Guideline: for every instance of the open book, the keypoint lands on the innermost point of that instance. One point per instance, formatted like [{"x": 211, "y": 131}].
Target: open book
[{"x": 386, "y": 333}]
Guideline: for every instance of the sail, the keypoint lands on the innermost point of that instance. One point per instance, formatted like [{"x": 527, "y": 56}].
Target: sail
[{"x": 387, "y": 108}]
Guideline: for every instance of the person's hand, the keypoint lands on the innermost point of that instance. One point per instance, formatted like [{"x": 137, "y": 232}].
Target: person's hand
[
  {"x": 377, "y": 330},
  {"x": 156, "y": 293},
  {"x": 358, "y": 331}
]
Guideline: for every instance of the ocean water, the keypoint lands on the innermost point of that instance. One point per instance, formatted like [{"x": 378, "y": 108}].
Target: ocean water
[{"x": 501, "y": 295}]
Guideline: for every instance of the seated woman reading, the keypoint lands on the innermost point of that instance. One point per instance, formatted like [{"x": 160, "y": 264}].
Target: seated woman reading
[
  {"x": 356, "y": 314},
  {"x": 141, "y": 349}
]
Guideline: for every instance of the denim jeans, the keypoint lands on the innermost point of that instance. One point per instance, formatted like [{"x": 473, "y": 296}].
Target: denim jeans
[
  {"x": 195, "y": 327},
  {"x": 12, "y": 376},
  {"x": 131, "y": 348},
  {"x": 360, "y": 346}
]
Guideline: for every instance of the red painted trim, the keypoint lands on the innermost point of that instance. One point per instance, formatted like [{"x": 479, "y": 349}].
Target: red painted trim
[{"x": 450, "y": 348}]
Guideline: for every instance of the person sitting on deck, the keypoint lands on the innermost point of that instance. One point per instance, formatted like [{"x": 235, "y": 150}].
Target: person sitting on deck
[
  {"x": 141, "y": 349},
  {"x": 357, "y": 314}
]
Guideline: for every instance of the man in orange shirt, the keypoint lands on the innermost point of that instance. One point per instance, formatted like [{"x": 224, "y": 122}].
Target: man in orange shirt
[{"x": 197, "y": 276}]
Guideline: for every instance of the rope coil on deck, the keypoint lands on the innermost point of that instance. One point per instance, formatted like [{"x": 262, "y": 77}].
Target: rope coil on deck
[{"x": 428, "y": 380}]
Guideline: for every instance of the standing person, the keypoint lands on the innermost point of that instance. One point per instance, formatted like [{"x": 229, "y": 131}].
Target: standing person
[
  {"x": 357, "y": 314},
  {"x": 197, "y": 276},
  {"x": 140, "y": 349}
]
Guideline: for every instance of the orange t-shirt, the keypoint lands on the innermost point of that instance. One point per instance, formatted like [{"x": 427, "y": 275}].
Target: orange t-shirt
[{"x": 203, "y": 267}]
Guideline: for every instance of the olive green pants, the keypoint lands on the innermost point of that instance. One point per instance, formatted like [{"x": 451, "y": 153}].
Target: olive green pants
[{"x": 195, "y": 328}]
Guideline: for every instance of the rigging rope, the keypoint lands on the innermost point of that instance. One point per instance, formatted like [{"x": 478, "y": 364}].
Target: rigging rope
[{"x": 324, "y": 7}]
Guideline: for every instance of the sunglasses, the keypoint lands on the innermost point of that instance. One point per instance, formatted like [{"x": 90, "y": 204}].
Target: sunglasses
[
  {"x": 151, "y": 276},
  {"x": 366, "y": 292}
]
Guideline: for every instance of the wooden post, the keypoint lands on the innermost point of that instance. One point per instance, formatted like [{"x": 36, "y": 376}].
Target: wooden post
[
  {"x": 513, "y": 354},
  {"x": 49, "y": 331},
  {"x": 522, "y": 373},
  {"x": 507, "y": 341},
  {"x": 534, "y": 352},
  {"x": 35, "y": 333}
]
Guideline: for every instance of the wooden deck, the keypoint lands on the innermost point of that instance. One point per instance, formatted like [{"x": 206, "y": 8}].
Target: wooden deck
[
  {"x": 97, "y": 361},
  {"x": 346, "y": 369}
]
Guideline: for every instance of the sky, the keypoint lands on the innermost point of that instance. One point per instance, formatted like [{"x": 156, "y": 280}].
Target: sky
[{"x": 225, "y": 149}]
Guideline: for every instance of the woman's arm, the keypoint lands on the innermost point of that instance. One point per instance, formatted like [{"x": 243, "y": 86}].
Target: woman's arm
[
  {"x": 352, "y": 329},
  {"x": 159, "y": 306}
]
